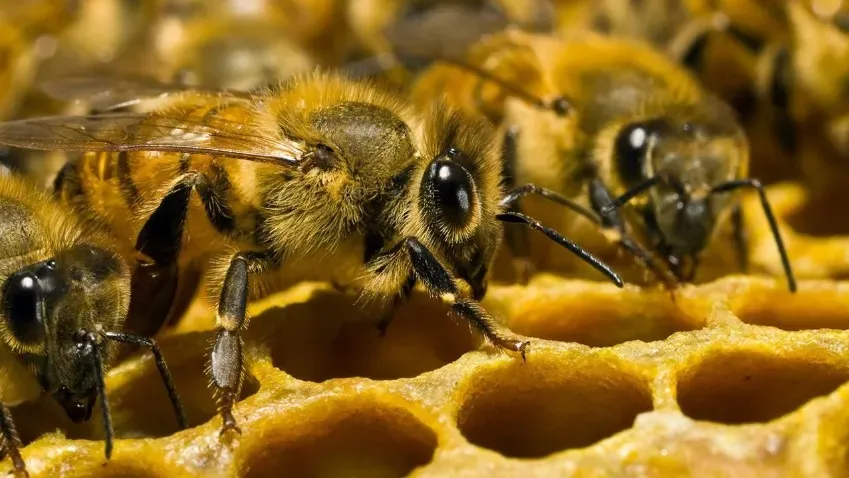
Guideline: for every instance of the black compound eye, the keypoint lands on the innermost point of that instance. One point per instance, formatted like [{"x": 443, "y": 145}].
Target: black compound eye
[
  {"x": 450, "y": 187},
  {"x": 631, "y": 147},
  {"x": 22, "y": 307}
]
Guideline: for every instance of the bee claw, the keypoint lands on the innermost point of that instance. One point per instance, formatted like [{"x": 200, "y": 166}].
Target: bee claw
[
  {"x": 519, "y": 346},
  {"x": 523, "y": 350},
  {"x": 229, "y": 425}
]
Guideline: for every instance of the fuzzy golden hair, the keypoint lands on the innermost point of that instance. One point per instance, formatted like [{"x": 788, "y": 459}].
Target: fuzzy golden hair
[{"x": 36, "y": 228}]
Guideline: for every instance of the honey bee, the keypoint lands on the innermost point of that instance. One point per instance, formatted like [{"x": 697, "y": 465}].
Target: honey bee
[
  {"x": 395, "y": 35},
  {"x": 64, "y": 304},
  {"x": 195, "y": 44},
  {"x": 307, "y": 27},
  {"x": 594, "y": 123},
  {"x": 319, "y": 178},
  {"x": 780, "y": 64}
]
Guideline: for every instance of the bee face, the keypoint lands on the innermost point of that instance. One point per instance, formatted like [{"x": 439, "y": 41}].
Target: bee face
[
  {"x": 690, "y": 154},
  {"x": 457, "y": 193},
  {"x": 47, "y": 305}
]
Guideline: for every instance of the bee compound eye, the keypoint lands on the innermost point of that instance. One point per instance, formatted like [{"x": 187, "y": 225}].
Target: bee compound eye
[
  {"x": 630, "y": 150},
  {"x": 450, "y": 187},
  {"x": 22, "y": 307}
]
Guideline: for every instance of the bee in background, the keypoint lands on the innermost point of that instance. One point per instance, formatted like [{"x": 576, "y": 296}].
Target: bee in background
[
  {"x": 594, "y": 123},
  {"x": 320, "y": 178},
  {"x": 194, "y": 43},
  {"x": 309, "y": 28},
  {"x": 782, "y": 65},
  {"x": 49, "y": 38},
  {"x": 394, "y": 34},
  {"x": 64, "y": 302},
  {"x": 28, "y": 38}
]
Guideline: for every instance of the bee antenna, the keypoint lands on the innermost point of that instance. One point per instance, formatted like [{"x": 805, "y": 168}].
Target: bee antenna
[
  {"x": 167, "y": 379},
  {"x": 91, "y": 339},
  {"x": 517, "y": 217},
  {"x": 558, "y": 105},
  {"x": 629, "y": 194},
  {"x": 773, "y": 224}
]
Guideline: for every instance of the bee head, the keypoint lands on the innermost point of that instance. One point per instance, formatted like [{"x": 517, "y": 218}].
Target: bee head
[
  {"x": 48, "y": 307},
  {"x": 457, "y": 197},
  {"x": 681, "y": 163}
]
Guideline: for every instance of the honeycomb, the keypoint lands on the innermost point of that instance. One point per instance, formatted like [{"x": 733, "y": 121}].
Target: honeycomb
[{"x": 732, "y": 377}]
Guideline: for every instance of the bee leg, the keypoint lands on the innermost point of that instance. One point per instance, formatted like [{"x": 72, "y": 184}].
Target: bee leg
[
  {"x": 689, "y": 44},
  {"x": 399, "y": 299},
  {"x": 611, "y": 220},
  {"x": 167, "y": 379},
  {"x": 439, "y": 282},
  {"x": 517, "y": 238},
  {"x": 154, "y": 284},
  {"x": 227, "y": 358},
  {"x": 13, "y": 440},
  {"x": 741, "y": 238}
]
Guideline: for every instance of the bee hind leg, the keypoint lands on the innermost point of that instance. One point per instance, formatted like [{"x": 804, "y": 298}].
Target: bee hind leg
[
  {"x": 227, "y": 358},
  {"x": 12, "y": 439},
  {"x": 439, "y": 282},
  {"x": 154, "y": 280}
]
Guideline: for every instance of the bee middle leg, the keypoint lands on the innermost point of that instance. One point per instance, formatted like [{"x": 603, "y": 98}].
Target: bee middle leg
[{"x": 227, "y": 358}]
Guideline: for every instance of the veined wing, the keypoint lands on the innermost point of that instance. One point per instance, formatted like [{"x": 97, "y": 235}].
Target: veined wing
[
  {"x": 113, "y": 93},
  {"x": 141, "y": 132}
]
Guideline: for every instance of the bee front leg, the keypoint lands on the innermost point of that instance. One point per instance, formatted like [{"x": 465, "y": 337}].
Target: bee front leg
[
  {"x": 399, "y": 299},
  {"x": 517, "y": 238},
  {"x": 227, "y": 358},
  {"x": 614, "y": 224},
  {"x": 12, "y": 439},
  {"x": 439, "y": 282},
  {"x": 741, "y": 238}
]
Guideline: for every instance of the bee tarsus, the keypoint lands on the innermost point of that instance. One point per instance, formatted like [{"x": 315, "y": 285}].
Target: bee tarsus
[{"x": 12, "y": 440}]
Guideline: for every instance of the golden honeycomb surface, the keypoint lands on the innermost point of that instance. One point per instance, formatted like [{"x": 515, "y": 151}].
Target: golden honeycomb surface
[{"x": 732, "y": 377}]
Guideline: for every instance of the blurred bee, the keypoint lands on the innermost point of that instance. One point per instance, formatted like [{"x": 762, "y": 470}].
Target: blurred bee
[
  {"x": 27, "y": 38},
  {"x": 309, "y": 28},
  {"x": 43, "y": 39},
  {"x": 782, "y": 65},
  {"x": 593, "y": 123},
  {"x": 64, "y": 304},
  {"x": 319, "y": 178},
  {"x": 194, "y": 43},
  {"x": 390, "y": 33}
]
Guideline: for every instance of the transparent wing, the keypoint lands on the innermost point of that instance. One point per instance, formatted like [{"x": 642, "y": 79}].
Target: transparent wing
[
  {"x": 140, "y": 132},
  {"x": 112, "y": 93}
]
